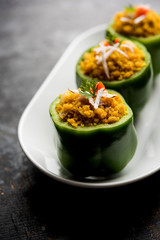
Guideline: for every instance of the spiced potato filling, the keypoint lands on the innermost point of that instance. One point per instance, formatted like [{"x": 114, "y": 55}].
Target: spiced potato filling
[
  {"x": 139, "y": 21},
  {"x": 116, "y": 61},
  {"x": 80, "y": 108}
]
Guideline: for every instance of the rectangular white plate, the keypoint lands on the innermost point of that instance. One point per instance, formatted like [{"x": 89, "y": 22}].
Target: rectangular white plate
[{"x": 35, "y": 130}]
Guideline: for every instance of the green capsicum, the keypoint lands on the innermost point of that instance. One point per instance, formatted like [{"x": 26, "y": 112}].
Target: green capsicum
[
  {"x": 151, "y": 42},
  {"x": 94, "y": 150},
  {"x": 136, "y": 89}
]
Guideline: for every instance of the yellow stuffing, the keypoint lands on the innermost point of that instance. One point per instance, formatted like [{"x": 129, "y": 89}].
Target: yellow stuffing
[
  {"x": 120, "y": 67},
  {"x": 77, "y": 111},
  {"x": 149, "y": 26}
]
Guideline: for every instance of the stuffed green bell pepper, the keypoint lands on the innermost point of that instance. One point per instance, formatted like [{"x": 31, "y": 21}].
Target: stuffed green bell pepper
[
  {"x": 142, "y": 24},
  {"x": 122, "y": 65},
  {"x": 94, "y": 132}
]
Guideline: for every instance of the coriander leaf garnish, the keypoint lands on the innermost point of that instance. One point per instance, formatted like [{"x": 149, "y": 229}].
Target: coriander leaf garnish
[
  {"x": 88, "y": 88},
  {"x": 130, "y": 8},
  {"x": 110, "y": 37}
]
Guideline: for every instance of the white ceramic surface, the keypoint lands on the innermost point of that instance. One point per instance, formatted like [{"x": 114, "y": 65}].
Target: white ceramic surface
[{"x": 35, "y": 130}]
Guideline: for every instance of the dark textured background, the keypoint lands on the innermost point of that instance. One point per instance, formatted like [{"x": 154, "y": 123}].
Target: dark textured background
[{"x": 33, "y": 35}]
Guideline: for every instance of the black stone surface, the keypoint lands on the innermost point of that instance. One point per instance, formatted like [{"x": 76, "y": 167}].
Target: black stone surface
[{"x": 33, "y": 35}]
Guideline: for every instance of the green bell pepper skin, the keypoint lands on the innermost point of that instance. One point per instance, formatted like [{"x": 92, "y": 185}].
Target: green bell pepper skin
[
  {"x": 136, "y": 90},
  {"x": 151, "y": 43},
  {"x": 96, "y": 150}
]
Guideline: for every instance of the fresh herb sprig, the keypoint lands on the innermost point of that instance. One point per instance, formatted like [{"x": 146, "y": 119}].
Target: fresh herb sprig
[
  {"x": 130, "y": 8},
  {"x": 88, "y": 88},
  {"x": 110, "y": 37}
]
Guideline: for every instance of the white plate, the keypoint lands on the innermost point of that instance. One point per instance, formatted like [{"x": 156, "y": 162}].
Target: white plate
[{"x": 35, "y": 130}]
